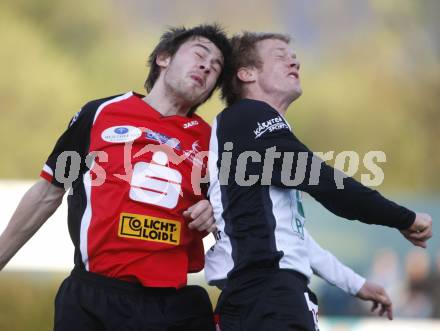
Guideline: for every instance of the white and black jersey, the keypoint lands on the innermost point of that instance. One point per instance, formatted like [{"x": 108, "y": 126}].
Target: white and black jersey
[{"x": 260, "y": 222}]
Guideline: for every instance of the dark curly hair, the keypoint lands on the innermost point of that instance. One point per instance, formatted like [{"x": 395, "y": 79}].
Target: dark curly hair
[{"x": 174, "y": 37}]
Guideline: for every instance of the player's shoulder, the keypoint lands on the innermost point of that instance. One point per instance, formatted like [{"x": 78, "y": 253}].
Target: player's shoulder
[
  {"x": 247, "y": 113},
  {"x": 96, "y": 103},
  {"x": 248, "y": 110},
  {"x": 89, "y": 109},
  {"x": 251, "y": 119}
]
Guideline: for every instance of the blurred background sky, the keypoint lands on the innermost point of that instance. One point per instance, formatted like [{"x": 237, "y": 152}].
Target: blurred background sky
[{"x": 370, "y": 72}]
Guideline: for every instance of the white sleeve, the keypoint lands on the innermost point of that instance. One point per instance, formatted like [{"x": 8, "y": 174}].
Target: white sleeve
[{"x": 328, "y": 267}]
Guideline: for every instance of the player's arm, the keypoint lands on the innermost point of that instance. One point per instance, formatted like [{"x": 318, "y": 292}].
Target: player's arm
[
  {"x": 36, "y": 206},
  {"x": 44, "y": 197},
  {"x": 328, "y": 267},
  {"x": 352, "y": 201}
]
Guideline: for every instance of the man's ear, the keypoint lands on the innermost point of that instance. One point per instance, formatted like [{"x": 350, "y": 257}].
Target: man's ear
[
  {"x": 163, "y": 60},
  {"x": 246, "y": 74}
]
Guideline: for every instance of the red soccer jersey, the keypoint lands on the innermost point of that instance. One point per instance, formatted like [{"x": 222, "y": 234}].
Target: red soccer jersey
[{"x": 134, "y": 173}]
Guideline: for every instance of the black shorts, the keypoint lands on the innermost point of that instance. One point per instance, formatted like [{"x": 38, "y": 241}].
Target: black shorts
[
  {"x": 91, "y": 302},
  {"x": 266, "y": 301}
]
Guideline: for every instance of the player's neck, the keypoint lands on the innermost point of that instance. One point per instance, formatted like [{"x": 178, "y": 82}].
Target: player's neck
[
  {"x": 166, "y": 104},
  {"x": 278, "y": 103}
]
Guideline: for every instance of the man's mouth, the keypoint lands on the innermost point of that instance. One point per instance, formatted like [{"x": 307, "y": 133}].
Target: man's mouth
[
  {"x": 294, "y": 74},
  {"x": 198, "y": 79}
]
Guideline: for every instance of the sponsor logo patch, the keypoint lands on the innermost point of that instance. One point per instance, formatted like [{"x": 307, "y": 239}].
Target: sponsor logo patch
[
  {"x": 163, "y": 139},
  {"x": 121, "y": 134},
  {"x": 149, "y": 228},
  {"x": 274, "y": 124}
]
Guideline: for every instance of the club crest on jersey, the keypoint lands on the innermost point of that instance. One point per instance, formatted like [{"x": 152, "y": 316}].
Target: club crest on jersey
[
  {"x": 274, "y": 124},
  {"x": 121, "y": 134},
  {"x": 163, "y": 139},
  {"x": 299, "y": 220},
  {"x": 190, "y": 124}
]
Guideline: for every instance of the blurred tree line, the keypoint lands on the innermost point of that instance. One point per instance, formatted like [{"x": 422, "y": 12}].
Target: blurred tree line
[
  {"x": 55, "y": 56},
  {"x": 370, "y": 72},
  {"x": 373, "y": 81}
]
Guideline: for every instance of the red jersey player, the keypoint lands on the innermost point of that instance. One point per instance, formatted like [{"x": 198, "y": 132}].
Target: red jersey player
[{"x": 136, "y": 214}]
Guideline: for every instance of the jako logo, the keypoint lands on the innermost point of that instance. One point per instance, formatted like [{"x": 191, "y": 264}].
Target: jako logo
[{"x": 190, "y": 124}]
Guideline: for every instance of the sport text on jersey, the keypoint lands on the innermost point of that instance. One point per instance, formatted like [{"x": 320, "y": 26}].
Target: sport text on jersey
[{"x": 276, "y": 123}]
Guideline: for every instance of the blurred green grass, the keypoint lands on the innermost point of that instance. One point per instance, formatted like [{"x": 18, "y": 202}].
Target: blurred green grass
[{"x": 26, "y": 299}]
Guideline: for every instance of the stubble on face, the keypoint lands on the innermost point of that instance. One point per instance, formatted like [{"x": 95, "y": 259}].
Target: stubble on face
[{"x": 193, "y": 71}]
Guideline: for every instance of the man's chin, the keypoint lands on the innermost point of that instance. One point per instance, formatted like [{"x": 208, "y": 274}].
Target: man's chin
[
  {"x": 296, "y": 94},
  {"x": 195, "y": 103}
]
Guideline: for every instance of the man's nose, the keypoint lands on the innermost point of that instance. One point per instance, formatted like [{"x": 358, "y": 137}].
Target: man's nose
[
  {"x": 295, "y": 64},
  {"x": 204, "y": 67}
]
